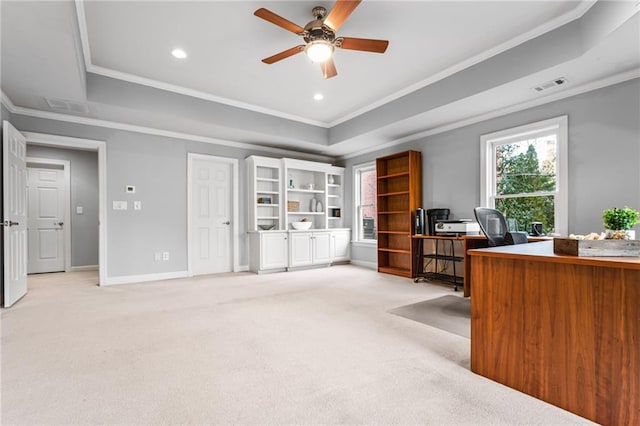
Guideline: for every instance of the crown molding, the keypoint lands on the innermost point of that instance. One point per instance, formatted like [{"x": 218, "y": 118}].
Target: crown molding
[
  {"x": 569, "y": 16},
  {"x": 609, "y": 81},
  {"x": 588, "y": 87},
  {"x": 47, "y": 115},
  {"x": 132, "y": 78},
  {"x": 559, "y": 21}
]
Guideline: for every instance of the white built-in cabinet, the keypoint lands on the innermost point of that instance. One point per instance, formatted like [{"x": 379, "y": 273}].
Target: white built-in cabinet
[
  {"x": 268, "y": 251},
  {"x": 309, "y": 248},
  {"x": 282, "y": 191}
]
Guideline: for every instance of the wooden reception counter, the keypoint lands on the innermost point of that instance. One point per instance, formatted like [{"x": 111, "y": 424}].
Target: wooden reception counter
[{"x": 563, "y": 329}]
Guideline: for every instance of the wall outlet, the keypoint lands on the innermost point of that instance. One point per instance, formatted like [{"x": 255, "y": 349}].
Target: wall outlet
[
  {"x": 157, "y": 256},
  {"x": 119, "y": 205},
  {"x": 137, "y": 205},
  {"x": 130, "y": 189},
  {"x": 165, "y": 255},
  {"x": 79, "y": 210}
]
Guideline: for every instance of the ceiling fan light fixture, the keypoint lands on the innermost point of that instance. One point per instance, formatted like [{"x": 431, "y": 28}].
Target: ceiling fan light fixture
[{"x": 319, "y": 51}]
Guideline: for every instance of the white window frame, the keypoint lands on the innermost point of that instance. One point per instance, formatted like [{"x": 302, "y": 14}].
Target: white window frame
[
  {"x": 488, "y": 144},
  {"x": 357, "y": 171}
]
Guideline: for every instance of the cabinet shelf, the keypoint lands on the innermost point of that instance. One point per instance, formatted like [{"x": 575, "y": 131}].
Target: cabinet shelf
[
  {"x": 266, "y": 205},
  {"x": 307, "y": 191},
  {"x": 267, "y": 180},
  {"x": 267, "y": 217},
  {"x": 393, "y": 175},
  {"x": 407, "y": 232},
  {"x": 306, "y": 213},
  {"x": 333, "y": 185},
  {"x": 390, "y": 250},
  {"x": 267, "y": 192},
  {"x": 395, "y": 212},
  {"x": 390, "y": 194}
]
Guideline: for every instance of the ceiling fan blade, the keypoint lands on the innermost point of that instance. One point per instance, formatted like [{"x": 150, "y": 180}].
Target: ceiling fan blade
[
  {"x": 366, "y": 44},
  {"x": 328, "y": 68},
  {"x": 278, "y": 20},
  {"x": 340, "y": 12},
  {"x": 283, "y": 55}
]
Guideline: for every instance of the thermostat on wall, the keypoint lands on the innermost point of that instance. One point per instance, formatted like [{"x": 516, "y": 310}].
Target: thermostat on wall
[{"x": 130, "y": 189}]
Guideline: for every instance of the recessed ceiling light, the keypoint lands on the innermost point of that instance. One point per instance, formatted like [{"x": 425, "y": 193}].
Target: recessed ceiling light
[
  {"x": 179, "y": 53},
  {"x": 318, "y": 96}
]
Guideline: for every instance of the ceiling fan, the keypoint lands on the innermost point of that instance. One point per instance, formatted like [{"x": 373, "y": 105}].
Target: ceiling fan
[{"x": 320, "y": 36}]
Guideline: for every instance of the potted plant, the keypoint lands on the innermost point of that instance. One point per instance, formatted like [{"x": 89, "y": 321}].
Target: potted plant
[{"x": 619, "y": 221}]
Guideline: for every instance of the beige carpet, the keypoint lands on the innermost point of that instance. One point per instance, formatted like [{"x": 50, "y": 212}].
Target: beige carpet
[{"x": 308, "y": 347}]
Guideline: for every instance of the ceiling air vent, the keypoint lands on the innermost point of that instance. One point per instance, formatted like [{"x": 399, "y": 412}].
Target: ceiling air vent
[
  {"x": 549, "y": 84},
  {"x": 67, "y": 106}
]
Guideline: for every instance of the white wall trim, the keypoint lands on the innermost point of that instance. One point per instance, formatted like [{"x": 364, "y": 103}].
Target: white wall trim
[
  {"x": 87, "y": 121},
  {"x": 92, "y": 145},
  {"x": 85, "y": 268},
  {"x": 66, "y": 167},
  {"x": 235, "y": 225},
  {"x": 557, "y": 22},
  {"x": 132, "y": 78},
  {"x": 365, "y": 264},
  {"x": 131, "y": 279},
  {"x": 488, "y": 143},
  {"x": 567, "y": 93}
]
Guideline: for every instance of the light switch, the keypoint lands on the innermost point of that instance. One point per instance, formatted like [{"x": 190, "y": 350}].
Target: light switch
[
  {"x": 79, "y": 210},
  {"x": 137, "y": 205},
  {"x": 119, "y": 205}
]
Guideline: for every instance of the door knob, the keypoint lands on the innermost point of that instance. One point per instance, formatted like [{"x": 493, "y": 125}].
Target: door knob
[
  {"x": 226, "y": 223},
  {"x": 10, "y": 223},
  {"x": 60, "y": 223}
]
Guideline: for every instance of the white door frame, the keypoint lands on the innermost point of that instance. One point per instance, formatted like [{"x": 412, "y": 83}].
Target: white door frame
[
  {"x": 234, "y": 222},
  {"x": 33, "y": 162},
  {"x": 87, "y": 145}
]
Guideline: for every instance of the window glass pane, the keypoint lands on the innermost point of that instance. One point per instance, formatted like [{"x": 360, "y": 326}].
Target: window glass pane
[
  {"x": 368, "y": 211},
  {"x": 526, "y": 166},
  {"x": 526, "y": 210}
]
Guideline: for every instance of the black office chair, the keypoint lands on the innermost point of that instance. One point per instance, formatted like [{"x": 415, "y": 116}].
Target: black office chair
[{"x": 494, "y": 226}]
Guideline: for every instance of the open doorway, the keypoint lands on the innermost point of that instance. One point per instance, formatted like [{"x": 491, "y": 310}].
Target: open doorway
[
  {"x": 63, "y": 213},
  {"x": 82, "y": 218}
]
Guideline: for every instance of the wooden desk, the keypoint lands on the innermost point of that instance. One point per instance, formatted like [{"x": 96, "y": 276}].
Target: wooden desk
[{"x": 564, "y": 329}]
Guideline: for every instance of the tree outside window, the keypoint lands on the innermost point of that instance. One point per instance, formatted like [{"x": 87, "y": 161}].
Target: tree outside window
[{"x": 526, "y": 182}]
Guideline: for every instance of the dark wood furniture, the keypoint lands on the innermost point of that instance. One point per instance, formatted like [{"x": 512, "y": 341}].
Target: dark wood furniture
[
  {"x": 399, "y": 194},
  {"x": 468, "y": 242},
  {"x": 564, "y": 329}
]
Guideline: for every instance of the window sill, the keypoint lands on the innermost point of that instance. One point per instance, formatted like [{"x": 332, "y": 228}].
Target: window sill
[{"x": 371, "y": 244}]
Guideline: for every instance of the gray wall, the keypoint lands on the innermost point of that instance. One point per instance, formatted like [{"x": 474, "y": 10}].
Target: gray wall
[
  {"x": 157, "y": 166},
  {"x": 604, "y": 158},
  {"x": 84, "y": 192}
]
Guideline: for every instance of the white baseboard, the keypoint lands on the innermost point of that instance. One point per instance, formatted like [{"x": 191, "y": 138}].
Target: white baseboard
[
  {"x": 145, "y": 277},
  {"x": 364, "y": 264},
  {"x": 242, "y": 268},
  {"x": 84, "y": 268}
]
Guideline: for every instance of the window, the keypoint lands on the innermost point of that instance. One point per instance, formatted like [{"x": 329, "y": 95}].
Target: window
[
  {"x": 524, "y": 174},
  {"x": 366, "y": 212}
]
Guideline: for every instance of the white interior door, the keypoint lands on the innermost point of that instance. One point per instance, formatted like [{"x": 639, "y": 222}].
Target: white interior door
[
  {"x": 46, "y": 211},
  {"x": 211, "y": 211},
  {"x": 14, "y": 214}
]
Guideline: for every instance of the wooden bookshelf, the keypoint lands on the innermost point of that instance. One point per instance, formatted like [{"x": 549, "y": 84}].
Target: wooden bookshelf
[{"x": 399, "y": 194}]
